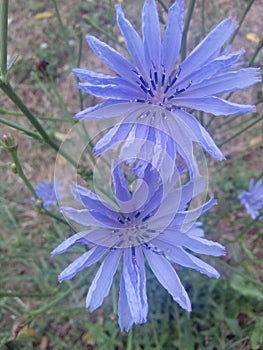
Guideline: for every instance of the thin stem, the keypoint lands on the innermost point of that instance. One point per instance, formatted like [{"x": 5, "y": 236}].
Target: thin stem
[
  {"x": 63, "y": 32},
  {"x": 20, "y": 104},
  {"x": 241, "y": 20},
  {"x": 129, "y": 344},
  {"x": 53, "y": 216},
  {"x": 99, "y": 29},
  {"x": 245, "y": 276},
  {"x": 203, "y": 17},
  {"x": 80, "y": 38},
  {"x": 31, "y": 315},
  {"x": 13, "y": 153},
  {"x": 29, "y": 132},
  {"x": 3, "y": 37},
  {"x": 163, "y": 5},
  {"x": 25, "y": 295},
  {"x": 258, "y": 48},
  {"x": 59, "y": 97},
  {"x": 240, "y": 132},
  {"x": 186, "y": 27},
  {"x": 21, "y": 114}
]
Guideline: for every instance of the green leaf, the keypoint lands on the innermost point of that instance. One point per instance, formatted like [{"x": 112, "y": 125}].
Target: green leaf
[
  {"x": 256, "y": 339},
  {"x": 245, "y": 288}
]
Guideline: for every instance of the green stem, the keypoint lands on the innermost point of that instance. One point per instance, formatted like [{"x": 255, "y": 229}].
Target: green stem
[
  {"x": 258, "y": 48},
  {"x": 20, "y": 114},
  {"x": 186, "y": 27},
  {"x": 25, "y": 295},
  {"x": 99, "y": 29},
  {"x": 20, "y": 172},
  {"x": 245, "y": 276},
  {"x": 31, "y": 315},
  {"x": 129, "y": 344},
  {"x": 52, "y": 215},
  {"x": 240, "y": 131},
  {"x": 63, "y": 32},
  {"x": 29, "y": 132},
  {"x": 203, "y": 17},
  {"x": 3, "y": 37},
  {"x": 60, "y": 99},
  {"x": 245, "y": 230},
  {"x": 20, "y": 104},
  {"x": 80, "y": 38},
  {"x": 241, "y": 20},
  {"x": 163, "y": 5}
]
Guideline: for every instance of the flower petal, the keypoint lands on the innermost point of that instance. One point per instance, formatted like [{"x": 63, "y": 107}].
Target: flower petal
[
  {"x": 82, "y": 216},
  {"x": 117, "y": 92},
  {"x": 196, "y": 244},
  {"x": 214, "y": 67},
  {"x": 103, "y": 237},
  {"x": 151, "y": 35},
  {"x": 198, "y": 133},
  {"x": 92, "y": 201},
  {"x": 120, "y": 185},
  {"x": 96, "y": 78},
  {"x": 208, "y": 46},
  {"x": 113, "y": 137},
  {"x": 135, "y": 284},
  {"x": 109, "y": 109},
  {"x": 125, "y": 317},
  {"x": 173, "y": 36},
  {"x": 133, "y": 41},
  {"x": 112, "y": 58},
  {"x": 102, "y": 282},
  {"x": 179, "y": 256},
  {"x": 69, "y": 243},
  {"x": 215, "y": 105},
  {"x": 85, "y": 260},
  {"x": 230, "y": 81},
  {"x": 167, "y": 276}
]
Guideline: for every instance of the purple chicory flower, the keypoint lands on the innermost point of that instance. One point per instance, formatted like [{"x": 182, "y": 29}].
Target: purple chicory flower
[
  {"x": 253, "y": 199},
  {"x": 150, "y": 223},
  {"x": 155, "y": 90},
  {"x": 48, "y": 192}
]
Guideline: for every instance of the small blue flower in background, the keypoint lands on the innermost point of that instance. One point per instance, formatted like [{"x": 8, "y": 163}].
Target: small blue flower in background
[
  {"x": 154, "y": 91},
  {"x": 253, "y": 200},
  {"x": 149, "y": 223},
  {"x": 48, "y": 192}
]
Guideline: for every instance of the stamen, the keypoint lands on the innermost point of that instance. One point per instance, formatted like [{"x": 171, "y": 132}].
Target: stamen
[
  {"x": 177, "y": 73},
  {"x": 120, "y": 220},
  {"x": 144, "y": 82},
  {"x": 184, "y": 89},
  {"x": 163, "y": 76},
  {"x": 139, "y": 100},
  {"x": 137, "y": 214},
  {"x": 167, "y": 88},
  {"x": 144, "y": 89},
  {"x": 146, "y": 217},
  {"x": 150, "y": 92},
  {"x": 178, "y": 92},
  {"x": 156, "y": 77}
]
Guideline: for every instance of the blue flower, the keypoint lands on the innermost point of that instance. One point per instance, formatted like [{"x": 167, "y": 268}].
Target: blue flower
[
  {"x": 253, "y": 200},
  {"x": 152, "y": 222},
  {"x": 154, "y": 89},
  {"x": 48, "y": 192}
]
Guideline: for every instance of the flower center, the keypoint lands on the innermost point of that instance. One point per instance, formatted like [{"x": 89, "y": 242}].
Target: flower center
[
  {"x": 159, "y": 89},
  {"x": 135, "y": 231}
]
